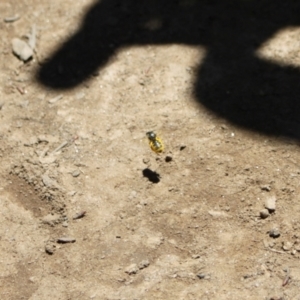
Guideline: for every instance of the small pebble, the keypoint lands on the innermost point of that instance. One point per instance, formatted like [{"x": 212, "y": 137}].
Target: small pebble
[
  {"x": 201, "y": 275},
  {"x": 247, "y": 276},
  {"x": 76, "y": 173},
  {"x": 65, "y": 224},
  {"x": 264, "y": 213},
  {"x": 79, "y": 215},
  {"x": 11, "y": 19},
  {"x": 132, "y": 195},
  {"x": 266, "y": 188},
  {"x": 21, "y": 49},
  {"x": 274, "y": 233},
  {"x": 286, "y": 246},
  {"x": 272, "y": 244},
  {"x": 48, "y": 181},
  {"x": 64, "y": 240},
  {"x": 50, "y": 248},
  {"x": 270, "y": 204},
  {"x": 146, "y": 161},
  {"x": 144, "y": 202}
]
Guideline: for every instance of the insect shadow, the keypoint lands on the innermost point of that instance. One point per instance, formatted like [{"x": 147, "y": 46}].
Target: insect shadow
[{"x": 153, "y": 176}]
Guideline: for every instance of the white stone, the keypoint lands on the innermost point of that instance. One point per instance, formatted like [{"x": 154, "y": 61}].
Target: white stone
[
  {"x": 270, "y": 203},
  {"x": 21, "y": 49}
]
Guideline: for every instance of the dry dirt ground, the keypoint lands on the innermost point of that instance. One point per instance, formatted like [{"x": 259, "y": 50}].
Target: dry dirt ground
[{"x": 185, "y": 224}]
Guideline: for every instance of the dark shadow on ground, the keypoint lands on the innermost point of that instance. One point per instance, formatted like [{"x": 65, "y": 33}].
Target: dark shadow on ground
[
  {"x": 152, "y": 176},
  {"x": 232, "y": 81}
]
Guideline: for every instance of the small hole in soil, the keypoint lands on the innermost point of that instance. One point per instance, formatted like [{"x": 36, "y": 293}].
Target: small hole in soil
[{"x": 151, "y": 175}]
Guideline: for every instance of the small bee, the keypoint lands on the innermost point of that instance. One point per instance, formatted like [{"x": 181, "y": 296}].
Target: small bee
[{"x": 155, "y": 142}]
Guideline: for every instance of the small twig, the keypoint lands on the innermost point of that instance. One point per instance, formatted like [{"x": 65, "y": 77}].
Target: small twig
[
  {"x": 74, "y": 138},
  {"x": 55, "y": 99},
  {"x": 32, "y": 37},
  {"x": 287, "y": 278},
  {"x": 277, "y": 251},
  {"x": 21, "y": 90},
  {"x": 147, "y": 71},
  {"x": 221, "y": 186},
  {"x": 44, "y": 152},
  {"x": 237, "y": 192},
  {"x": 60, "y": 147}
]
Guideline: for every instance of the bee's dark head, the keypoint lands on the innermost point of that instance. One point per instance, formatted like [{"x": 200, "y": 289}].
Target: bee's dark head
[{"x": 151, "y": 135}]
